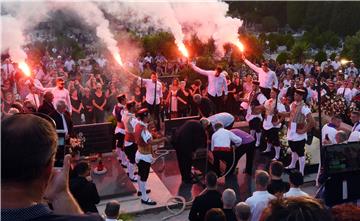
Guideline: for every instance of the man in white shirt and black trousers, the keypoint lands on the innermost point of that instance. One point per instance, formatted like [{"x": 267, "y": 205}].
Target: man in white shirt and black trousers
[
  {"x": 153, "y": 96},
  {"x": 267, "y": 77},
  {"x": 355, "y": 119},
  {"x": 300, "y": 122},
  {"x": 217, "y": 86},
  {"x": 221, "y": 146}
]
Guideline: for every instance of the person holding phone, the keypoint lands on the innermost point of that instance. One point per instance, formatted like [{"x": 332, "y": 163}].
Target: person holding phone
[{"x": 28, "y": 178}]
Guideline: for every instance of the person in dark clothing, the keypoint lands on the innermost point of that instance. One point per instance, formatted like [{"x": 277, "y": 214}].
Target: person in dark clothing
[
  {"x": 84, "y": 191},
  {"x": 47, "y": 106},
  {"x": 205, "y": 107},
  {"x": 277, "y": 185},
  {"x": 29, "y": 144},
  {"x": 60, "y": 115},
  {"x": 210, "y": 199},
  {"x": 229, "y": 199},
  {"x": 189, "y": 137},
  {"x": 76, "y": 106},
  {"x": 99, "y": 101},
  {"x": 86, "y": 101}
]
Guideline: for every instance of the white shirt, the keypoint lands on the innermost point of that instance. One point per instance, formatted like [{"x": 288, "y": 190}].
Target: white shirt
[
  {"x": 146, "y": 136},
  {"x": 131, "y": 119},
  {"x": 118, "y": 129},
  {"x": 267, "y": 79},
  {"x": 354, "y": 136},
  {"x": 69, "y": 64},
  {"x": 290, "y": 66},
  {"x": 354, "y": 69},
  {"x": 150, "y": 91},
  {"x": 356, "y": 126},
  {"x": 101, "y": 62},
  {"x": 348, "y": 95},
  {"x": 223, "y": 138},
  {"x": 225, "y": 118},
  {"x": 336, "y": 64},
  {"x": 258, "y": 202},
  {"x": 249, "y": 116},
  {"x": 330, "y": 131},
  {"x": 64, "y": 123},
  {"x": 34, "y": 99},
  {"x": 217, "y": 85},
  {"x": 293, "y": 192},
  {"x": 148, "y": 59},
  {"x": 62, "y": 94},
  {"x": 287, "y": 83},
  {"x": 267, "y": 124},
  {"x": 291, "y": 133}
]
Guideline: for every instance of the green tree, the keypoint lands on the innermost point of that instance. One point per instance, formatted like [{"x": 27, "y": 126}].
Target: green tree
[
  {"x": 282, "y": 57},
  {"x": 320, "y": 56},
  {"x": 270, "y": 24},
  {"x": 352, "y": 48},
  {"x": 295, "y": 13},
  {"x": 298, "y": 52}
]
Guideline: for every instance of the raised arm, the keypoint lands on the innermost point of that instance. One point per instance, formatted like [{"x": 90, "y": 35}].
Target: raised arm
[
  {"x": 200, "y": 71},
  {"x": 252, "y": 66},
  {"x": 235, "y": 139}
]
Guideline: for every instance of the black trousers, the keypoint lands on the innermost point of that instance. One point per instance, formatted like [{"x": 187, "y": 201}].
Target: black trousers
[
  {"x": 255, "y": 124},
  {"x": 143, "y": 170},
  {"x": 120, "y": 140},
  {"x": 227, "y": 157},
  {"x": 99, "y": 116},
  {"x": 272, "y": 136},
  {"x": 89, "y": 117},
  {"x": 154, "y": 110},
  {"x": 130, "y": 152},
  {"x": 265, "y": 92},
  {"x": 298, "y": 147},
  {"x": 184, "y": 161},
  {"x": 249, "y": 150},
  {"x": 218, "y": 103}
]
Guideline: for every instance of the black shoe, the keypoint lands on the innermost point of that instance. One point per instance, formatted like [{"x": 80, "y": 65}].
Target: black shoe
[
  {"x": 139, "y": 193},
  {"x": 123, "y": 166},
  {"x": 133, "y": 180},
  {"x": 148, "y": 202},
  {"x": 190, "y": 181}
]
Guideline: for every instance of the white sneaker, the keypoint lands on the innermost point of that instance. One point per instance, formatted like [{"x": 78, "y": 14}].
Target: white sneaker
[
  {"x": 257, "y": 144},
  {"x": 266, "y": 151}
]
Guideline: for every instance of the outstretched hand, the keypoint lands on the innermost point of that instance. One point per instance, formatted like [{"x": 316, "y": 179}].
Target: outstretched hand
[
  {"x": 243, "y": 56},
  {"x": 59, "y": 181}
]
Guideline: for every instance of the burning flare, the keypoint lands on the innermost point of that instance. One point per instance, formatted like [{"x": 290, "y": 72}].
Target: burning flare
[
  {"x": 240, "y": 46},
  {"x": 183, "y": 50},
  {"x": 118, "y": 58},
  {"x": 25, "y": 68},
  {"x": 344, "y": 61}
]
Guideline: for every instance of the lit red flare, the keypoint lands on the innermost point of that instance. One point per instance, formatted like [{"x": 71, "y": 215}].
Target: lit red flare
[
  {"x": 344, "y": 61},
  {"x": 240, "y": 46},
  {"x": 183, "y": 50},
  {"x": 25, "y": 68},
  {"x": 118, "y": 58}
]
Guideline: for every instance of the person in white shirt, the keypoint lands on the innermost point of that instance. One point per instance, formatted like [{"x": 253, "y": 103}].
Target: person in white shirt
[
  {"x": 253, "y": 113},
  {"x": 221, "y": 147},
  {"x": 130, "y": 146},
  {"x": 8, "y": 70},
  {"x": 261, "y": 197},
  {"x": 267, "y": 77},
  {"x": 296, "y": 180},
  {"x": 336, "y": 63},
  {"x": 59, "y": 92},
  {"x": 354, "y": 136},
  {"x": 272, "y": 124},
  {"x": 69, "y": 64},
  {"x": 153, "y": 96},
  {"x": 112, "y": 211},
  {"x": 33, "y": 97},
  {"x": 225, "y": 118},
  {"x": 148, "y": 58},
  {"x": 288, "y": 65},
  {"x": 118, "y": 113},
  {"x": 329, "y": 130},
  {"x": 355, "y": 119},
  {"x": 352, "y": 71},
  {"x": 217, "y": 87},
  {"x": 144, "y": 155},
  {"x": 345, "y": 92},
  {"x": 300, "y": 122}
]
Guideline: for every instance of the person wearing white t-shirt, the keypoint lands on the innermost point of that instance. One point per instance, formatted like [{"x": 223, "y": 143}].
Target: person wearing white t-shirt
[
  {"x": 33, "y": 97},
  {"x": 272, "y": 125},
  {"x": 253, "y": 114},
  {"x": 296, "y": 180},
  {"x": 261, "y": 197},
  {"x": 352, "y": 71},
  {"x": 355, "y": 119},
  {"x": 300, "y": 122}
]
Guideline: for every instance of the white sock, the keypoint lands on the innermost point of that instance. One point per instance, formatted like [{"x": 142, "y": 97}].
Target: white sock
[
  {"x": 252, "y": 133},
  {"x": 124, "y": 160},
  {"x": 277, "y": 152},
  {"x": 302, "y": 164},
  {"x": 258, "y": 137},
  {"x": 294, "y": 158},
  {"x": 268, "y": 147},
  {"x": 131, "y": 170},
  {"x": 142, "y": 188}
]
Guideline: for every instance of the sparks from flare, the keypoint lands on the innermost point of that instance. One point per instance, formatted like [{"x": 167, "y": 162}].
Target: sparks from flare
[
  {"x": 118, "y": 58},
  {"x": 240, "y": 46},
  {"x": 344, "y": 61},
  {"x": 25, "y": 68},
  {"x": 183, "y": 50}
]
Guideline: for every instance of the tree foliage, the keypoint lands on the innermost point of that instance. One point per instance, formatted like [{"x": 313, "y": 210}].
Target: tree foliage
[
  {"x": 352, "y": 47},
  {"x": 298, "y": 52},
  {"x": 282, "y": 57}
]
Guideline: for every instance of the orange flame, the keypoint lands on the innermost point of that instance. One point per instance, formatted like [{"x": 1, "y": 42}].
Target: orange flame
[
  {"x": 183, "y": 50},
  {"x": 118, "y": 58},
  {"x": 25, "y": 68},
  {"x": 240, "y": 46}
]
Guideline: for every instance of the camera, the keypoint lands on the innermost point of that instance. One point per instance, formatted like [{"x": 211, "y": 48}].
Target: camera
[{"x": 61, "y": 149}]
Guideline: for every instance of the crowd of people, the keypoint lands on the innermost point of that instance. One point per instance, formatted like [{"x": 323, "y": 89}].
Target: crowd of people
[{"x": 88, "y": 91}]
